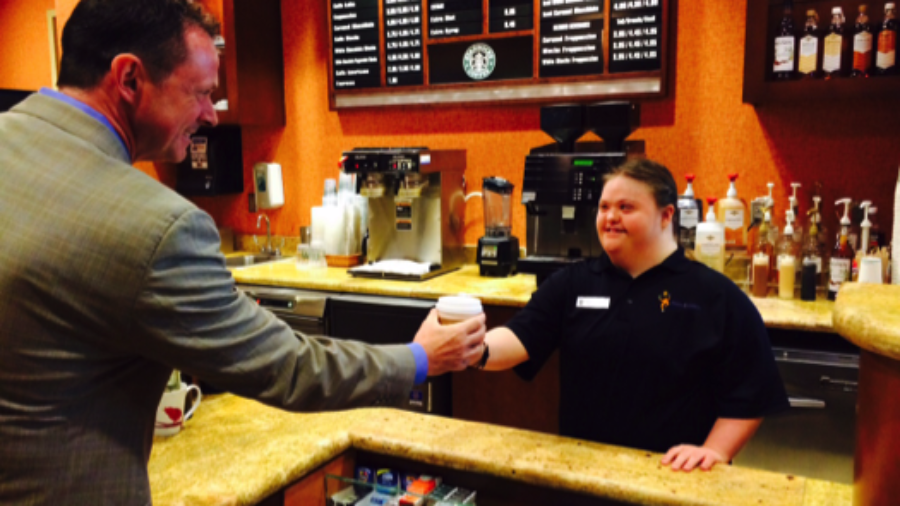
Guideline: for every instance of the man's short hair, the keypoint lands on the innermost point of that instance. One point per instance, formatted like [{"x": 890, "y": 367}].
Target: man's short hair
[{"x": 152, "y": 30}]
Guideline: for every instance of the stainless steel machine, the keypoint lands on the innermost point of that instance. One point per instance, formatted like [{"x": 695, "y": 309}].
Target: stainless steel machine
[
  {"x": 416, "y": 210},
  {"x": 563, "y": 182}
]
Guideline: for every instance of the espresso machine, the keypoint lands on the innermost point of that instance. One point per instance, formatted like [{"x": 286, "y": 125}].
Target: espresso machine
[
  {"x": 416, "y": 210},
  {"x": 498, "y": 250},
  {"x": 563, "y": 181}
]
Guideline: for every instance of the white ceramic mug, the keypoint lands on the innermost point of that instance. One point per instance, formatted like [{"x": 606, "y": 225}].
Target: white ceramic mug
[{"x": 170, "y": 415}]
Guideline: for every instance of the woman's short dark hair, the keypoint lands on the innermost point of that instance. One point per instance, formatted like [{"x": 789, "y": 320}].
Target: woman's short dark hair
[
  {"x": 654, "y": 175},
  {"x": 152, "y": 30}
]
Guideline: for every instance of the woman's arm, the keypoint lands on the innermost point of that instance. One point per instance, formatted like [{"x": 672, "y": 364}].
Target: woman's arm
[
  {"x": 506, "y": 351},
  {"x": 725, "y": 440}
]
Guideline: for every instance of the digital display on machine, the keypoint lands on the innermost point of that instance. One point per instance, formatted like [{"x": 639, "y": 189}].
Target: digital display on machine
[{"x": 583, "y": 163}]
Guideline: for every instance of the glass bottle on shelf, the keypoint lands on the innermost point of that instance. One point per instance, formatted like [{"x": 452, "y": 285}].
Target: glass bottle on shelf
[
  {"x": 810, "y": 49},
  {"x": 886, "y": 61},
  {"x": 785, "y": 45},
  {"x": 862, "y": 45},
  {"x": 836, "y": 45}
]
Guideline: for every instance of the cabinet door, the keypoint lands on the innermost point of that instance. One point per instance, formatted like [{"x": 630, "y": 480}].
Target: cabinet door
[
  {"x": 251, "y": 67},
  {"x": 310, "y": 491}
]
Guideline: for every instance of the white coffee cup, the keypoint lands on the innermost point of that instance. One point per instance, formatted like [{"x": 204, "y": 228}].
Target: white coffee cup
[
  {"x": 870, "y": 270},
  {"x": 456, "y": 308},
  {"x": 170, "y": 415}
]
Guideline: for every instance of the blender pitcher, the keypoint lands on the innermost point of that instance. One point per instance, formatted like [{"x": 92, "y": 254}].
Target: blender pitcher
[{"x": 498, "y": 250}]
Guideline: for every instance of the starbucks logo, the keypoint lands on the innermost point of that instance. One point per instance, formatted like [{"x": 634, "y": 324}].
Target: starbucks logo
[{"x": 479, "y": 61}]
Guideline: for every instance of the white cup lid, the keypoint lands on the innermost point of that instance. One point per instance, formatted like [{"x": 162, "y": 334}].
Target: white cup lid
[{"x": 462, "y": 305}]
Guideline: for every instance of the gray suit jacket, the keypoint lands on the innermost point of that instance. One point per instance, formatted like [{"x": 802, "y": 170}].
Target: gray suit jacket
[{"x": 108, "y": 280}]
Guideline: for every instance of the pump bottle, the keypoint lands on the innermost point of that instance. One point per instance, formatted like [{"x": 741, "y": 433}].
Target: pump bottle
[
  {"x": 793, "y": 202},
  {"x": 813, "y": 253},
  {"x": 710, "y": 245},
  {"x": 842, "y": 257},
  {"x": 733, "y": 214},
  {"x": 788, "y": 251},
  {"x": 688, "y": 215}
]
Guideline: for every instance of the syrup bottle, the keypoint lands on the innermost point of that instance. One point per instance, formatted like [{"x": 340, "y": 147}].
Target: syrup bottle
[
  {"x": 785, "y": 45},
  {"x": 810, "y": 48},
  {"x": 862, "y": 45},
  {"x": 886, "y": 61},
  {"x": 836, "y": 46},
  {"x": 842, "y": 257}
]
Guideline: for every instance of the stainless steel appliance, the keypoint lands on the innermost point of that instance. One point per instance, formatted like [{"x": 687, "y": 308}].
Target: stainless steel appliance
[
  {"x": 563, "y": 182},
  {"x": 302, "y": 310},
  {"x": 370, "y": 319},
  {"x": 391, "y": 320},
  {"x": 816, "y": 437},
  {"x": 416, "y": 209},
  {"x": 498, "y": 250}
]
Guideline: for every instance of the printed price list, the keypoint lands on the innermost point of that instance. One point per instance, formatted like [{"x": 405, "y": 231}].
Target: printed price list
[
  {"x": 635, "y": 35},
  {"x": 355, "y": 55},
  {"x": 403, "y": 42},
  {"x": 571, "y": 38},
  {"x": 455, "y": 18},
  {"x": 510, "y": 15}
]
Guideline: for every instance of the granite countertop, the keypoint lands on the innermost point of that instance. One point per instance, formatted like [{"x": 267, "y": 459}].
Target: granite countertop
[
  {"x": 237, "y": 452},
  {"x": 513, "y": 291},
  {"x": 869, "y": 317}
]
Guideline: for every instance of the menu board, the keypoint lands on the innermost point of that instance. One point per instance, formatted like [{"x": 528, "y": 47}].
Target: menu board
[
  {"x": 510, "y": 15},
  {"x": 635, "y": 35},
  {"x": 403, "y": 42},
  {"x": 356, "y": 58},
  {"x": 571, "y": 38},
  {"x": 455, "y": 18},
  {"x": 395, "y": 52}
]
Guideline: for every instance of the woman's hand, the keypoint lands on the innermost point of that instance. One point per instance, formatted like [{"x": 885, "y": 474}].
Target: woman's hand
[{"x": 688, "y": 457}]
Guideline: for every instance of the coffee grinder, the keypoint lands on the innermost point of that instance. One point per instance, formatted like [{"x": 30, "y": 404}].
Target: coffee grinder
[
  {"x": 563, "y": 181},
  {"x": 498, "y": 250}
]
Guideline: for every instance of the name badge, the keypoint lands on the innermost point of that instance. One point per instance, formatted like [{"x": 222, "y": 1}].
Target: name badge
[{"x": 593, "y": 302}]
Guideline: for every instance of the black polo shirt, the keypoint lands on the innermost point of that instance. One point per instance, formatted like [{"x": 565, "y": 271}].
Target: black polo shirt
[{"x": 650, "y": 362}]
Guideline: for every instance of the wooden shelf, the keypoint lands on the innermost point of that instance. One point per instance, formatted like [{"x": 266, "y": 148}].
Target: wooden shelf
[{"x": 763, "y": 17}]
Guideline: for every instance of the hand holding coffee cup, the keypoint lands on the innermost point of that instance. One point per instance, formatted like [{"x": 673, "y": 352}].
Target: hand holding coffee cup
[{"x": 453, "y": 334}]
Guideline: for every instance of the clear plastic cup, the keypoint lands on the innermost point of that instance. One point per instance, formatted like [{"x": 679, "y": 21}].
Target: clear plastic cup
[{"x": 457, "y": 308}]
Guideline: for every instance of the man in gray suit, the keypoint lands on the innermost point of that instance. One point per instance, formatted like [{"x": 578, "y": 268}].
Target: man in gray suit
[{"x": 108, "y": 280}]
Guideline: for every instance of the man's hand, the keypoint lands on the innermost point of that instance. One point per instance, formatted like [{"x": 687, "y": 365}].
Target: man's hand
[
  {"x": 688, "y": 457},
  {"x": 451, "y": 347}
]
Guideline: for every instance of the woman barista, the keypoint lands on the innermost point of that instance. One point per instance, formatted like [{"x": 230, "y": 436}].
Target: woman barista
[{"x": 656, "y": 351}]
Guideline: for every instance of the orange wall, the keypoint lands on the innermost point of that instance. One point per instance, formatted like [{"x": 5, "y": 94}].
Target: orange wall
[
  {"x": 853, "y": 148},
  {"x": 25, "y": 57}
]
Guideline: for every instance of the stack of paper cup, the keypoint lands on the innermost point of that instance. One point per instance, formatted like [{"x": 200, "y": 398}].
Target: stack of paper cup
[
  {"x": 895, "y": 249},
  {"x": 456, "y": 308}
]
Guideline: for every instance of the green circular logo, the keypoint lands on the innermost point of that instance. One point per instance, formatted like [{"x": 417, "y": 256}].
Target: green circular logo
[{"x": 479, "y": 61}]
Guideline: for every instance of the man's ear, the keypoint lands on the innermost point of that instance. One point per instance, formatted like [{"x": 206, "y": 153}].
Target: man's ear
[{"x": 128, "y": 74}]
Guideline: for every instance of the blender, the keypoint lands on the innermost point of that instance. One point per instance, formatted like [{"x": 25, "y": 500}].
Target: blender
[{"x": 498, "y": 250}]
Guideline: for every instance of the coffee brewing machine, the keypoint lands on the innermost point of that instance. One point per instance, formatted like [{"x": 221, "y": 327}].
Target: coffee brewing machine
[
  {"x": 498, "y": 250},
  {"x": 416, "y": 210},
  {"x": 563, "y": 182}
]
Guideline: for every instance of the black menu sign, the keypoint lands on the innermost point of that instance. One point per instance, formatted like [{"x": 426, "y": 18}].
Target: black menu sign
[
  {"x": 510, "y": 15},
  {"x": 571, "y": 38},
  {"x": 635, "y": 35},
  {"x": 454, "y": 18},
  {"x": 403, "y": 42},
  {"x": 354, "y": 29}
]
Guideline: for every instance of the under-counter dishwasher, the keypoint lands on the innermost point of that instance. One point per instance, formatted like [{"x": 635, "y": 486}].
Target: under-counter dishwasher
[{"x": 816, "y": 436}]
